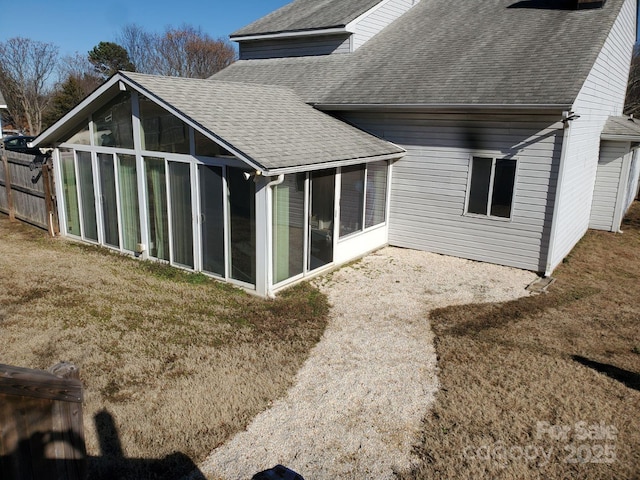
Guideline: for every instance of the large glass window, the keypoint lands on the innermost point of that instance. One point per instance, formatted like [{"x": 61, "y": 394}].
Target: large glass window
[
  {"x": 157, "y": 208},
  {"x": 351, "y": 199},
  {"x": 212, "y": 208},
  {"x": 162, "y": 131},
  {"x": 112, "y": 125},
  {"x": 181, "y": 213},
  {"x": 321, "y": 211},
  {"x": 243, "y": 226},
  {"x": 207, "y": 148},
  {"x": 491, "y": 186},
  {"x": 70, "y": 192},
  {"x": 87, "y": 196},
  {"x": 129, "y": 206},
  {"x": 81, "y": 135},
  {"x": 108, "y": 199},
  {"x": 376, "y": 201},
  {"x": 288, "y": 227}
]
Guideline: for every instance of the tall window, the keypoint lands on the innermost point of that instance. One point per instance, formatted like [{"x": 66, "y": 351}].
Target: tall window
[
  {"x": 363, "y": 197},
  {"x": 129, "y": 203},
  {"x": 181, "y": 213},
  {"x": 70, "y": 191},
  {"x": 162, "y": 131},
  {"x": 157, "y": 208},
  {"x": 491, "y": 186},
  {"x": 288, "y": 227},
  {"x": 112, "y": 125}
]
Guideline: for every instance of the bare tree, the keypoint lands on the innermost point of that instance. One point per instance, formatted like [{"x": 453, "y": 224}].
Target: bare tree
[
  {"x": 632, "y": 103},
  {"x": 178, "y": 52},
  {"x": 25, "y": 68}
]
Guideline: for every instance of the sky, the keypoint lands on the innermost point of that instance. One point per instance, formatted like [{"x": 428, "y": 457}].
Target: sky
[{"x": 79, "y": 25}]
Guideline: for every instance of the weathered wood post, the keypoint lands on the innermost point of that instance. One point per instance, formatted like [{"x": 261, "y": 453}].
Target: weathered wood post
[
  {"x": 7, "y": 184},
  {"x": 52, "y": 213},
  {"x": 41, "y": 429}
]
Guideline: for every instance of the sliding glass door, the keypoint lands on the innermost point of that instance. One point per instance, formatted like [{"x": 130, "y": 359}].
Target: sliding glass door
[
  {"x": 321, "y": 217},
  {"x": 108, "y": 199},
  {"x": 181, "y": 213},
  {"x": 212, "y": 219},
  {"x": 87, "y": 196},
  {"x": 288, "y": 227},
  {"x": 158, "y": 226},
  {"x": 242, "y": 239},
  {"x": 129, "y": 209}
]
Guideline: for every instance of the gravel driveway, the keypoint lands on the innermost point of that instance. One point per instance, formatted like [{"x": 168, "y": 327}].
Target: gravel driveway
[{"x": 358, "y": 401}]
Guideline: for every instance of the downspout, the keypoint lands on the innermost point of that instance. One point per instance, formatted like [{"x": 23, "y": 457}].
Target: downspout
[
  {"x": 556, "y": 201},
  {"x": 279, "y": 179}
]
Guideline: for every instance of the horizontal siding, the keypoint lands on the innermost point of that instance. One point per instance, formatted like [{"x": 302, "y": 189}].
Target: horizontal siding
[
  {"x": 378, "y": 19},
  {"x": 601, "y": 95},
  {"x": 605, "y": 193},
  {"x": 429, "y": 185},
  {"x": 295, "y": 47}
]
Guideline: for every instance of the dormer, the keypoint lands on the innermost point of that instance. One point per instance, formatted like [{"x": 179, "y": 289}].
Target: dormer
[{"x": 317, "y": 27}]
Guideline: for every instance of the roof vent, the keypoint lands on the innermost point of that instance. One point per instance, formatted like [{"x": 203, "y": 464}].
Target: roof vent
[{"x": 585, "y": 4}]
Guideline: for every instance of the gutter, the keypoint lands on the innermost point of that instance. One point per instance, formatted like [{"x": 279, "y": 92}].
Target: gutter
[
  {"x": 443, "y": 107},
  {"x": 333, "y": 164}
]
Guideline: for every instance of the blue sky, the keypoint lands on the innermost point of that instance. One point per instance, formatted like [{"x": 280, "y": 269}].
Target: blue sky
[{"x": 79, "y": 25}]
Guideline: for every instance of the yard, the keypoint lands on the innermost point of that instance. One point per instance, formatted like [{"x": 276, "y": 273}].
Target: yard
[
  {"x": 176, "y": 362},
  {"x": 546, "y": 386},
  {"x": 518, "y": 378}
]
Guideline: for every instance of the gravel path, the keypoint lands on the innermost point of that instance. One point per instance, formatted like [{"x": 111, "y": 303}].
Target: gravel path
[{"x": 357, "y": 403}]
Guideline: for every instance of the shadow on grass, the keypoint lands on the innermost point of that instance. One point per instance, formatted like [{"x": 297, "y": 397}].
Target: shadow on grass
[
  {"x": 113, "y": 464},
  {"x": 629, "y": 379}
]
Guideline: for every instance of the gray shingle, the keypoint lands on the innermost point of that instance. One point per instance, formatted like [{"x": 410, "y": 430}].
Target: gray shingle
[
  {"x": 443, "y": 52},
  {"x": 308, "y": 15},
  {"x": 622, "y": 126},
  {"x": 270, "y": 125}
]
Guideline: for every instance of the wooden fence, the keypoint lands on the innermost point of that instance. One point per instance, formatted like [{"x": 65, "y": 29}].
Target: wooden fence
[
  {"x": 41, "y": 434},
  {"x": 27, "y": 190}
]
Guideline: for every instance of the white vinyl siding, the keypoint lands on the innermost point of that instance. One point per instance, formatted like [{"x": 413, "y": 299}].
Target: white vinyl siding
[
  {"x": 429, "y": 185},
  {"x": 601, "y": 95},
  {"x": 607, "y": 186},
  {"x": 295, "y": 47},
  {"x": 379, "y": 18}
]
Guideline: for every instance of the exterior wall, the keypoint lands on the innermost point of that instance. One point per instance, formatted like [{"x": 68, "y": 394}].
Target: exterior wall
[
  {"x": 607, "y": 186},
  {"x": 295, "y": 47},
  {"x": 602, "y": 95},
  {"x": 378, "y": 19},
  {"x": 429, "y": 186}
]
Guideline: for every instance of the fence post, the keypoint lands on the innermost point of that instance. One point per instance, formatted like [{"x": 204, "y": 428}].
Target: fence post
[
  {"x": 52, "y": 213},
  {"x": 7, "y": 185}
]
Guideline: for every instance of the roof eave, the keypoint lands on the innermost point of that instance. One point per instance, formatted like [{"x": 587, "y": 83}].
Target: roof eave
[
  {"x": 336, "y": 30},
  {"x": 445, "y": 107},
  {"x": 620, "y": 137},
  {"x": 334, "y": 163}
]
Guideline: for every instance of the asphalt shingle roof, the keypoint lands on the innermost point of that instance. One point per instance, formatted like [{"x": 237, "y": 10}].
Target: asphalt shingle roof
[
  {"x": 498, "y": 52},
  {"x": 622, "y": 126},
  {"x": 308, "y": 15},
  {"x": 270, "y": 125}
]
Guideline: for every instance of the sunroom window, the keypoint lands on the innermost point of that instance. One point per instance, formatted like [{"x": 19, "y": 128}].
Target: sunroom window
[
  {"x": 161, "y": 130},
  {"x": 363, "y": 197},
  {"x": 112, "y": 125}
]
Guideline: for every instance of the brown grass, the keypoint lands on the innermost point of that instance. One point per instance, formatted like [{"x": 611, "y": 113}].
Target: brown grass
[
  {"x": 571, "y": 355},
  {"x": 178, "y": 361}
]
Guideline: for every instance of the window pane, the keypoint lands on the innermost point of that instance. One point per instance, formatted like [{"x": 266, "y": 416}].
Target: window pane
[
  {"x": 181, "y": 213},
  {"x": 130, "y": 214},
  {"x": 288, "y": 227},
  {"x": 243, "y": 226},
  {"x": 207, "y": 148},
  {"x": 212, "y": 207},
  {"x": 161, "y": 130},
  {"x": 70, "y": 192},
  {"x": 87, "y": 196},
  {"x": 112, "y": 126},
  {"x": 503, "y": 180},
  {"x": 376, "y": 199},
  {"x": 81, "y": 137},
  {"x": 351, "y": 199},
  {"x": 321, "y": 212},
  {"x": 479, "y": 189},
  {"x": 108, "y": 199},
  {"x": 157, "y": 205}
]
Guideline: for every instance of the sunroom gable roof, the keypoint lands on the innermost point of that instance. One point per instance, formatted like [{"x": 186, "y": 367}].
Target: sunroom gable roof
[{"x": 270, "y": 128}]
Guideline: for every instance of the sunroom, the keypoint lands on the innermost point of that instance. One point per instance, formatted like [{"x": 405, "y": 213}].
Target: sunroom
[{"x": 245, "y": 183}]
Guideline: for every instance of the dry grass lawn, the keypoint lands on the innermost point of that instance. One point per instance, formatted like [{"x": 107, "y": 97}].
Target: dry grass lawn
[
  {"x": 517, "y": 378},
  {"x": 179, "y": 362}
]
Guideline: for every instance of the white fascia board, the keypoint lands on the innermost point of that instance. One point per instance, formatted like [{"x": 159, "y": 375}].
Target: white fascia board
[
  {"x": 440, "y": 107},
  {"x": 338, "y": 163},
  {"x": 3, "y": 106},
  {"x": 50, "y": 133},
  {"x": 621, "y": 138},
  {"x": 292, "y": 33}
]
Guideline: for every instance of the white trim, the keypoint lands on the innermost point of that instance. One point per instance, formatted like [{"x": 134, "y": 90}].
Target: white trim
[
  {"x": 335, "y": 164},
  {"x": 351, "y": 26},
  {"x": 442, "y": 107},
  {"x": 494, "y": 160},
  {"x": 292, "y": 33},
  {"x": 620, "y": 137},
  {"x": 619, "y": 211}
]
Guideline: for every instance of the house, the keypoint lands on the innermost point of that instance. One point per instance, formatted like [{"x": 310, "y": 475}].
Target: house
[{"x": 486, "y": 129}]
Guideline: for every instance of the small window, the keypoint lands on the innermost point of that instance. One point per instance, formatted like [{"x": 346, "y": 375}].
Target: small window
[{"x": 491, "y": 186}]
